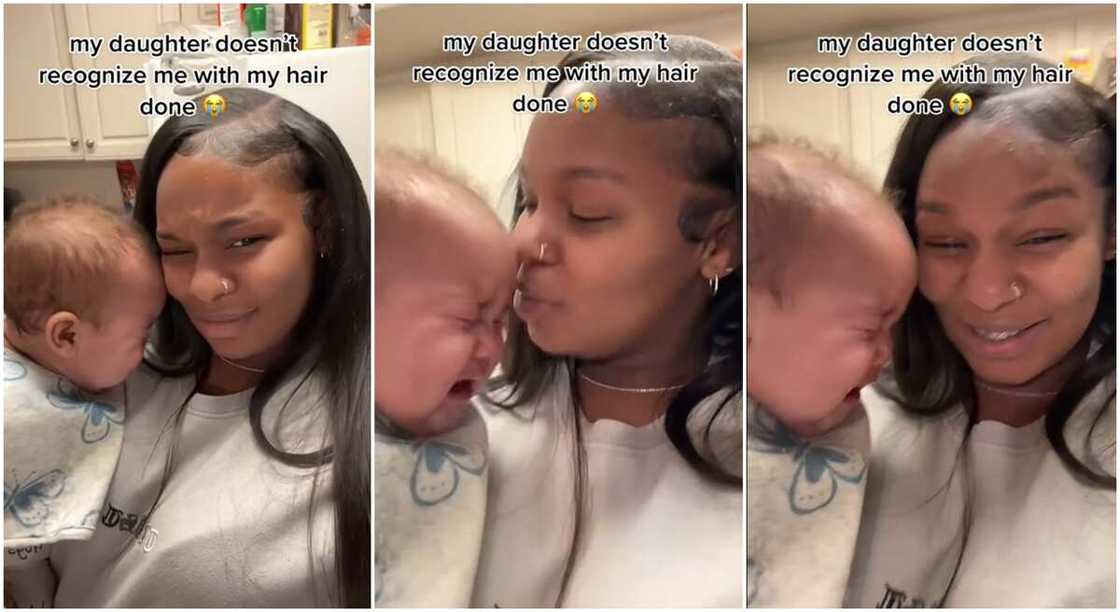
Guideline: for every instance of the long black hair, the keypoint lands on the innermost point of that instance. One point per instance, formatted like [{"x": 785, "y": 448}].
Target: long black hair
[
  {"x": 716, "y": 100},
  {"x": 928, "y": 374},
  {"x": 331, "y": 338}
]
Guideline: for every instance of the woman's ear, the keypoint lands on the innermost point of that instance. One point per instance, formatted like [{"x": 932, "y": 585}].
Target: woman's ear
[
  {"x": 61, "y": 334},
  {"x": 720, "y": 251}
]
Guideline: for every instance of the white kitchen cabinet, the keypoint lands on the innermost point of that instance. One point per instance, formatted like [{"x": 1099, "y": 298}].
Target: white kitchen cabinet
[
  {"x": 74, "y": 122},
  {"x": 39, "y": 122}
]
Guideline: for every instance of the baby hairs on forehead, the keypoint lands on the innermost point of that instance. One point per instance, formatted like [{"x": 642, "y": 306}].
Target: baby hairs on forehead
[
  {"x": 711, "y": 153},
  {"x": 64, "y": 254},
  {"x": 794, "y": 191},
  {"x": 1062, "y": 118},
  {"x": 261, "y": 141},
  {"x": 409, "y": 188}
]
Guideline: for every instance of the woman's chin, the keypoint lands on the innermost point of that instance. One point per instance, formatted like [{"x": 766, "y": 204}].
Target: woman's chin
[{"x": 1009, "y": 374}]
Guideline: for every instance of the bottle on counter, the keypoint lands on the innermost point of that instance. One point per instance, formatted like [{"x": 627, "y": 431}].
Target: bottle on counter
[
  {"x": 256, "y": 20},
  {"x": 313, "y": 24}
]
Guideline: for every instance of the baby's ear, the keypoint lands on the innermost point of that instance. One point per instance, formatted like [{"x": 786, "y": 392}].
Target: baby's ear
[{"x": 61, "y": 333}]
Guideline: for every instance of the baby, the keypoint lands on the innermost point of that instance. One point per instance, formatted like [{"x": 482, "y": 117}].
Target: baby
[
  {"x": 830, "y": 268},
  {"x": 82, "y": 287},
  {"x": 444, "y": 278}
]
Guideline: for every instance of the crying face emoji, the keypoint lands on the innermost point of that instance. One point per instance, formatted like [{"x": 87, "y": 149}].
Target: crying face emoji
[
  {"x": 214, "y": 105},
  {"x": 960, "y": 103},
  {"x": 586, "y": 102}
]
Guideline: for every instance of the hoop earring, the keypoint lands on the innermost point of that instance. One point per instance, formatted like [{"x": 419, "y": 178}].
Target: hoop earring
[{"x": 713, "y": 282}]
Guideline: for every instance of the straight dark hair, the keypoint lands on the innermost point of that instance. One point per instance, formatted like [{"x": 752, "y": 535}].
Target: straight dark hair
[
  {"x": 929, "y": 374},
  {"x": 330, "y": 339},
  {"x": 715, "y": 99}
]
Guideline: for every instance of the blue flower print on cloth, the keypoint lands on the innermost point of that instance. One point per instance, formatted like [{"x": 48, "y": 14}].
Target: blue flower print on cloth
[
  {"x": 30, "y": 501},
  {"x": 100, "y": 416},
  {"x": 435, "y": 476},
  {"x": 754, "y": 575},
  {"x": 13, "y": 369},
  {"x": 820, "y": 468}
]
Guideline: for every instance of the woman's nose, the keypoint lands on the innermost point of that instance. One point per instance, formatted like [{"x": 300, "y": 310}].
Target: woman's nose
[
  {"x": 989, "y": 282},
  {"x": 535, "y": 240},
  {"x": 208, "y": 284}
]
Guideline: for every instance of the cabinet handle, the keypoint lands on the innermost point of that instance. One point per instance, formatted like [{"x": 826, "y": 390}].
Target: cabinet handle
[
  {"x": 89, "y": 143},
  {"x": 74, "y": 142}
]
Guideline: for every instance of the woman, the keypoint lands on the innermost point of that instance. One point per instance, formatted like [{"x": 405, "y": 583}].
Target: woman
[
  {"x": 244, "y": 478},
  {"x": 993, "y": 476},
  {"x": 616, "y": 432}
]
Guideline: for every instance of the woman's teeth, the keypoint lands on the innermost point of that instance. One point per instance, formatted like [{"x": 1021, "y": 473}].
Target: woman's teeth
[{"x": 997, "y": 335}]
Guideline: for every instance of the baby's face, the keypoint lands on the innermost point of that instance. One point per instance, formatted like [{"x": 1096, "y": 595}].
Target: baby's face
[
  {"x": 439, "y": 329},
  {"x": 809, "y": 356},
  {"x": 107, "y": 353}
]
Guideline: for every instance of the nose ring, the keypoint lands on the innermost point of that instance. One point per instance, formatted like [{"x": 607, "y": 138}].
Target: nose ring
[{"x": 227, "y": 286}]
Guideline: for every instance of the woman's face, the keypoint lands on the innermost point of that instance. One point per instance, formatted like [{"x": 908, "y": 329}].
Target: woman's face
[
  {"x": 603, "y": 192},
  {"x": 1011, "y": 245},
  {"x": 215, "y": 222}
]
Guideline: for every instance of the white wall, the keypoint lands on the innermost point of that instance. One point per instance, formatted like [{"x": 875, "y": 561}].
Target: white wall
[
  {"x": 474, "y": 129},
  {"x": 854, "y": 121}
]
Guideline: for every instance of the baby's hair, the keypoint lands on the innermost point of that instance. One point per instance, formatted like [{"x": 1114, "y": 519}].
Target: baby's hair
[
  {"x": 63, "y": 254},
  {"x": 402, "y": 177},
  {"x": 404, "y": 180},
  {"x": 790, "y": 186}
]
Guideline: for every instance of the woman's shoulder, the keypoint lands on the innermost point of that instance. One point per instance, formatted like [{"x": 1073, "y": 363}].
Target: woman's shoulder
[
  {"x": 1091, "y": 428},
  {"x": 146, "y": 385}
]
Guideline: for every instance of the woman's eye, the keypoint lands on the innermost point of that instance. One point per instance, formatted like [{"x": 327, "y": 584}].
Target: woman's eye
[
  {"x": 1045, "y": 239},
  {"x": 172, "y": 252},
  {"x": 589, "y": 219},
  {"x": 244, "y": 242},
  {"x": 945, "y": 245}
]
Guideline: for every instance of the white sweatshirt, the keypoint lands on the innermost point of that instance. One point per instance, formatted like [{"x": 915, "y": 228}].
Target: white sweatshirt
[
  {"x": 656, "y": 533},
  {"x": 231, "y": 529},
  {"x": 1039, "y": 536}
]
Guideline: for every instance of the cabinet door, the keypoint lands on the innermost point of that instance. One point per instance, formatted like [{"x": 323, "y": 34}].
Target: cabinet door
[
  {"x": 112, "y": 127},
  {"x": 40, "y": 121}
]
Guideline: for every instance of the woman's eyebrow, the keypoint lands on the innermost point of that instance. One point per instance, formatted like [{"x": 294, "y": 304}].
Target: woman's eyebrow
[
  {"x": 232, "y": 221},
  {"x": 1047, "y": 194},
  {"x": 592, "y": 172},
  {"x": 932, "y": 207}
]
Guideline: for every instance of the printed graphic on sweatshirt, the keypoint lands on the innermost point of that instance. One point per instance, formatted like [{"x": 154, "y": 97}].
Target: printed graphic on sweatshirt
[
  {"x": 895, "y": 598},
  {"x": 133, "y": 523},
  {"x": 819, "y": 469}
]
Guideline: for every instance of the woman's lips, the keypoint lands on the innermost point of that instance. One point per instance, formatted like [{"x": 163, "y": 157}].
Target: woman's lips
[
  {"x": 1003, "y": 341},
  {"x": 528, "y": 306},
  {"x": 224, "y": 325}
]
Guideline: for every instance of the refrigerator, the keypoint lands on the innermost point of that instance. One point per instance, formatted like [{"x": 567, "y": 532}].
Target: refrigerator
[{"x": 342, "y": 101}]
